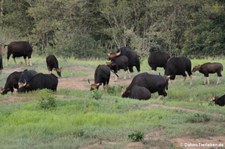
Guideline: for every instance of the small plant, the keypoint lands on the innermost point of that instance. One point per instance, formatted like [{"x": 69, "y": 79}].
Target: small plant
[
  {"x": 114, "y": 89},
  {"x": 96, "y": 94},
  {"x": 136, "y": 136},
  {"x": 47, "y": 101},
  {"x": 198, "y": 118}
]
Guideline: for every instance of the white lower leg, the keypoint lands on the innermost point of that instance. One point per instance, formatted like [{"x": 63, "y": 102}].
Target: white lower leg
[
  {"x": 29, "y": 62},
  {"x": 207, "y": 78},
  {"x": 219, "y": 80},
  {"x": 190, "y": 80},
  {"x": 125, "y": 75}
]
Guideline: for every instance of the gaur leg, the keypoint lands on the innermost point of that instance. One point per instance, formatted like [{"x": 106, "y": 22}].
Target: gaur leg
[
  {"x": 219, "y": 78},
  {"x": 29, "y": 62},
  {"x": 206, "y": 81},
  {"x": 25, "y": 60},
  {"x": 131, "y": 69},
  {"x": 127, "y": 73},
  {"x": 115, "y": 78},
  {"x": 14, "y": 60}
]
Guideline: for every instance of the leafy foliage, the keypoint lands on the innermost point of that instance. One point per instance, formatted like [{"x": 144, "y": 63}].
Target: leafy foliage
[
  {"x": 89, "y": 28},
  {"x": 136, "y": 136}
]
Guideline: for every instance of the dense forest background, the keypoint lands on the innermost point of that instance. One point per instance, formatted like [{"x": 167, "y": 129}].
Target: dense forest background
[{"x": 90, "y": 28}]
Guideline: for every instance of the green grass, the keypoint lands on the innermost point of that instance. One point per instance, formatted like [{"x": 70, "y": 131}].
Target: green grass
[{"x": 79, "y": 120}]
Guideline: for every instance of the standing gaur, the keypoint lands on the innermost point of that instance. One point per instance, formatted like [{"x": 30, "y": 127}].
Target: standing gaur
[
  {"x": 52, "y": 64},
  {"x": 18, "y": 49},
  {"x": 219, "y": 100},
  {"x": 138, "y": 92},
  {"x": 178, "y": 66},
  {"x": 158, "y": 59},
  {"x": 207, "y": 68},
  {"x": 11, "y": 82},
  {"x": 102, "y": 76},
  {"x": 133, "y": 58},
  {"x": 117, "y": 63},
  {"x": 152, "y": 82}
]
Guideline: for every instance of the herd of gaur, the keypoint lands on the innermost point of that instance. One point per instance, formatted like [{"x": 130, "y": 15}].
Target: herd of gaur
[{"x": 141, "y": 86}]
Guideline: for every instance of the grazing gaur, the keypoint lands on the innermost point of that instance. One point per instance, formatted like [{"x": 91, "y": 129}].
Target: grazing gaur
[
  {"x": 40, "y": 81},
  {"x": 117, "y": 63},
  {"x": 101, "y": 76},
  {"x": 18, "y": 49},
  {"x": 11, "y": 82},
  {"x": 158, "y": 59},
  {"x": 219, "y": 100},
  {"x": 52, "y": 64},
  {"x": 207, "y": 68},
  {"x": 133, "y": 58},
  {"x": 152, "y": 82},
  {"x": 178, "y": 66},
  {"x": 138, "y": 92},
  {"x": 25, "y": 76}
]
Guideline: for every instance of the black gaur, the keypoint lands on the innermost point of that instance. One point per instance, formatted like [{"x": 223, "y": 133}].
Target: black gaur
[
  {"x": 117, "y": 63},
  {"x": 152, "y": 82},
  {"x": 11, "y": 82},
  {"x": 207, "y": 68},
  {"x": 18, "y": 49},
  {"x": 219, "y": 100},
  {"x": 101, "y": 76},
  {"x": 137, "y": 92},
  {"x": 178, "y": 66},
  {"x": 158, "y": 59},
  {"x": 133, "y": 58},
  {"x": 52, "y": 64},
  {"x": 40, "y": 81}
]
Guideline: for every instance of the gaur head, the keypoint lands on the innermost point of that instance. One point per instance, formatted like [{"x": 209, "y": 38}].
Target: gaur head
[
  {"x": 214, "y": 98},
  {"x": 112, "y": 66},
  {"x": 113, "y": 54},
  {"x": 58, "y": 70},
  {"x": 94, "y": 85},
  {"x": 125, "y": 93},
  {"x": 2, "y": 91},
  {"x": 167, "y": 78},
  {"x": 196, "y": 68}
]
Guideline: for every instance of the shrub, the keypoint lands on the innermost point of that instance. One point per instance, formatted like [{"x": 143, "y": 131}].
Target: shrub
[
  {"x": 47, "y": 100},
  {"x": 96, "y": 94},
  {"x": 198, "y": 118},
  {"x": 136, "y": 136}
]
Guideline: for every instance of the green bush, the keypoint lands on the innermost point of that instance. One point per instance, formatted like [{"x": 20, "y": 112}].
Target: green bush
[
  {"x": 96, "y": 94},
  {"x": 136, "y": 136},
  {"x": 198, "y": 118},
  {"x": 47, "y": 100}
]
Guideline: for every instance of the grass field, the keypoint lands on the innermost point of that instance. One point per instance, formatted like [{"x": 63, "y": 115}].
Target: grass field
[{"x": 77, "y": 120}]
